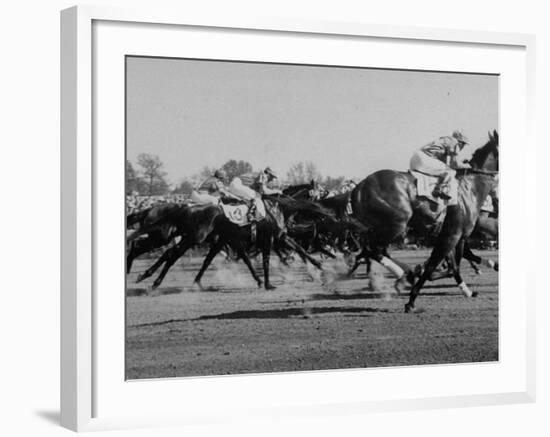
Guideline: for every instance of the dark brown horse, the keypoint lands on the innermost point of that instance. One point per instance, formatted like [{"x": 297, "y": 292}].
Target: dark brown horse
[
  {"x": 302, "y": 191},
  {"x": 193, "y": 223},
  {"x": 244, "y": 239},
  {"x": 209, "y": 222},
  {"x": 387, "y": 202},
  {"x": 160, "y": 223},
  {"x": 460, "y": 220}
]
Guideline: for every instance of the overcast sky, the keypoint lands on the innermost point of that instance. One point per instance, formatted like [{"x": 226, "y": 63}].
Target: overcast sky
[{"x": 348, "y": 121}]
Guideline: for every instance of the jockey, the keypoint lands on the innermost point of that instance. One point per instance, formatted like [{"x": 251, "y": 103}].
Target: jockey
[
  {"x": 211, "y": 189},
  {"x": 251, "y": 187},
  {"x": 441, "y": 158}
]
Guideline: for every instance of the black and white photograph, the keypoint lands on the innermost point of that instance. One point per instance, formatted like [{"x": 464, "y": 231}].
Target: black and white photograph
[{"x": 289, "y": 217}]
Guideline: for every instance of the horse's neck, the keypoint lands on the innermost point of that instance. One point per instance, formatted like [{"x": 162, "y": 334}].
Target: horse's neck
[{"x": 476, "y": 188}]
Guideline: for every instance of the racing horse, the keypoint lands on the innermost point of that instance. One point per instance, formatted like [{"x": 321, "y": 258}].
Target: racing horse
[
  {"x": 387, "y": 201},
  {"x": 474, "y": 184},
  {"x": 209, "y": 222},
  {"x": 161, "y": 223},
  {"x": 302, "y": 191},
  {"x": 241, "y": 239},
  {"x": 337, "y": 230}
]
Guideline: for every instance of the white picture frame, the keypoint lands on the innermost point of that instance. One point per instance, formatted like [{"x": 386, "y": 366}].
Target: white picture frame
[{"x": 81, "y": 364}]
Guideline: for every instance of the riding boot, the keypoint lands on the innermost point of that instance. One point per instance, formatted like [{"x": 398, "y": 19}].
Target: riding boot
[{"x": 442, "y": 188}]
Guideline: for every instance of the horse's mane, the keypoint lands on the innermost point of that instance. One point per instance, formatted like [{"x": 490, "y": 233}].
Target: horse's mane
[{"x": 293, "y": 189}]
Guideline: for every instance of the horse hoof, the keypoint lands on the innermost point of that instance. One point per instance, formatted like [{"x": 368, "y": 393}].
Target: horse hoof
[
  {"x": 199, "y": 286},
  {"x": 270, "y": 287},
  {"x": 140, "y": 278},
  {"x": 408, "y": 308},
  {"x": 475, "y": 294},
  {"x": 259, "y": 284}
]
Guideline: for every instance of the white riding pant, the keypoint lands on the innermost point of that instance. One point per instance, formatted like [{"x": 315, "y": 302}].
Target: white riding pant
[
  {"x": 425, "y": 164},
  {"x": 204, "y": 198},
  {"x": 431, "y": 166},
  {"x": 237, "y": 188}
]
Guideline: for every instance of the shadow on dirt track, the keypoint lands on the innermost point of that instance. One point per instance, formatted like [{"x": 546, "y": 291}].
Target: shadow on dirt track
[
  {"x": 236, "y": 328},
  {"x": 270, "y": 314}
]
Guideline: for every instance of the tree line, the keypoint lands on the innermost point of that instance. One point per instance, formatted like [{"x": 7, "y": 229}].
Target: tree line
[{"x": 148, "y": 177}]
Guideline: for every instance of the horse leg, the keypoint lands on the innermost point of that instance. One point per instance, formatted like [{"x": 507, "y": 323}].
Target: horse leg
[
  {"x": 472, "y": 257},
  {"x": 446, "y": 273},
  {"x": 368, "y": 269},
  {"x": 168, "y": 254},
  {"x": 442, "y": 248},
  {"x": 327, "y": 253},
  {"x": 266, "y": 251},
  {"x": 139, "y": 247},
  {"x": 214, "y": 250},
  {"x": 238, "y": 247},
  {"x": 400, "y": 270},
  {"x": 134, "y": 251},
  {"x": 170, "y": 262},
  {"x": 130, "y": 257},
  {"x": 279, "y": 252},
  {"x": 475, "y": 267},
  {"x": 455, "y": 264},
  {"x": 301, "y": 252},
  {"x": 358, "y": 258}
]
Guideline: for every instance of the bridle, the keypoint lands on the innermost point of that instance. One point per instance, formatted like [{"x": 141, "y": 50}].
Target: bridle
[{"x": 467, "y": 171}]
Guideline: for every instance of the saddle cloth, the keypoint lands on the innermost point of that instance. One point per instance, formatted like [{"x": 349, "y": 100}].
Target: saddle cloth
[
  {"x": 238, "y": 214},
  {"x": 425, "y": 186}
]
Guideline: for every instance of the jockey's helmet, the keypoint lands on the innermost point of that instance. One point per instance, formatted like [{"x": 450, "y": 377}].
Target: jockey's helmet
[
  {"x": 270, "y": 172},
  {"x": 220, "y": 174},
  {"x": 460, "y": 137}
]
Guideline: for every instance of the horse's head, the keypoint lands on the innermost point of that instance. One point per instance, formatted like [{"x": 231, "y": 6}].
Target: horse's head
[
  {"x": 486, "y": 157},
  {"x": 302, "y": 191}
]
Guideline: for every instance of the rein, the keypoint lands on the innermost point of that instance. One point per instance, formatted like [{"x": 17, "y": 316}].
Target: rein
[
  {"x": 293, "y": 196},
  {"x": 468, "y": 171}
]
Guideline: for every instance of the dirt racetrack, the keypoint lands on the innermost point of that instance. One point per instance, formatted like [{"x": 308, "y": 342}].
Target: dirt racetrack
[{"x": 305, "y": 324}]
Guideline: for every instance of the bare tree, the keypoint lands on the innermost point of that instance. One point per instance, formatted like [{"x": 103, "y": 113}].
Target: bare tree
[
  {"x": 153, "y": 174},
  {"x": 203, "y": 174},
  {"x": 185, "y": 187},
  {"x": 132, "y": 179},
  {"x": 302, "y": 173},
  {"x": 330, "y": 183},
  {"x": 235, "y": 168}
]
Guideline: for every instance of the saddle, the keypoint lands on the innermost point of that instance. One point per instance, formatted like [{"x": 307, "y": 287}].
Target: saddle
[{"x": 426, "y": 185}]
